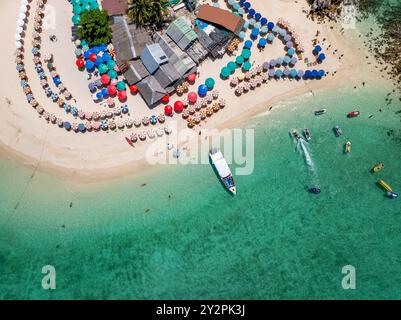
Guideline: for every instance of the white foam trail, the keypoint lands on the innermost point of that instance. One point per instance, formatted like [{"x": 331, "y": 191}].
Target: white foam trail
[{"x": 302, "y": 147}]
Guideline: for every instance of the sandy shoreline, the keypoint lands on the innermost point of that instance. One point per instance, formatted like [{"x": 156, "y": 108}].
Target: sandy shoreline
[{"x": 28, "y": 139}]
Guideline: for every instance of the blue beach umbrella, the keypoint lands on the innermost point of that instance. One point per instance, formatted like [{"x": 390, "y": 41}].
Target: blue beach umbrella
[
  {"x": 286, "y": 59},
  {"x": 270, "y": 25},
  {"x": 315, "y": 73},
  {"x": 258, "y": 16},
  {"x": 67, "y": 125},
  {"x": 307, "y": 74},
  {"x": 89, "y": 65},
  {"x": 81, "y": 128},
  {"x": 246, "y": 25},
  {"x": 262, "y": 42},
  {"x": 105, "y": 93},
  {"x": 124, "y": 109},
  {"x": 291, "y": 52},
  {"x": 98, "y": 61},
  {"x": 279, "y": 73},
  {"x": 241, "y": 2},
  {"x": 99, "y": 95},
  {"x": 153, "y": 119},
  {"x": 286, "y": 72},
  {"x": 322, "y": 57},
  {"x": 271, "y": 73},
  {"x": 258, "y": 25},
  {"x": 283, "y": 33},
  {"x": 251, "y": 12},
  {"x": 321, "y": 73},
  {"x": 202, "y": 90},
  {"x": 248, "y": 44},
  {"x": 67, "y": 107},
  {"x": 106, "y": 57},
  {"x": 247, "y": 5},
  {"x": 74, "y": 111},
  {"x": 263, "y": 21},
  {"x": 251, "y": 23},
  {"x": 279, "y": 61},
  {"x": 293, "y": 73},
  {"x": 318, "y": 49},
  {"x": 255, "y": 32}
]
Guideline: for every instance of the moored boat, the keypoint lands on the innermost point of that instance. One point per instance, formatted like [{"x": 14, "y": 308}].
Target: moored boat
[
  {"x": 295, "y": 134},
  {"x": 377, "y": 168},
  {"x": 314, "y": 190},
  {"x": 307, "y": 134},
  {"x": 337, "y": 131},
  {"x": 347, "y": 148},
  {"x": 353, "y": 114},
  {"x": 223, "y": 170},
  {"x": 320, "y": 112}
]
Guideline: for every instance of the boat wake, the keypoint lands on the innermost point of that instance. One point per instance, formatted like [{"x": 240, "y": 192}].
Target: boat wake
[{"x": 303, "y": 149}]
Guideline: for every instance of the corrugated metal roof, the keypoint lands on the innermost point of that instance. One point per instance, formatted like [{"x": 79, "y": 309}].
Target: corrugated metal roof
[
  {"x": 151, "y": 90},
  {"x": 136, "y": 72},
  {"x": 167, "y": 75}
]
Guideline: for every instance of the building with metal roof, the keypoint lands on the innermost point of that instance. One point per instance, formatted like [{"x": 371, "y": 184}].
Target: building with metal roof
[
  {"x": 153, "y": 57},
  {"x": 151, "y": 90}
]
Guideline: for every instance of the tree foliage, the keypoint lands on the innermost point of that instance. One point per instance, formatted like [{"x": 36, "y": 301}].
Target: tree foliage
[
  {"x": 94, "y": 27},
  {"x": 147, "y": 11}
]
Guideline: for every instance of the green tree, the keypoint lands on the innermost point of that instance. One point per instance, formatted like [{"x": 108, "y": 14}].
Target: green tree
[
  {"x": 94, "y": 27},
  {"x": 147, "y": 11}
]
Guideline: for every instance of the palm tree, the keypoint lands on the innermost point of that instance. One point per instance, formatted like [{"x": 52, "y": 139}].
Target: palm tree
[{"x": 147, "y": 11}]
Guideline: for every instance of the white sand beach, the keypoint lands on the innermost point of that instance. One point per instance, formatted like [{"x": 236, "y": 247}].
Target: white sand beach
[{"x": 31, "y": 140}]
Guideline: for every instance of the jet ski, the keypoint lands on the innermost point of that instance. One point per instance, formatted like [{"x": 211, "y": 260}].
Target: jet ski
[
  {"x": 295, "y": 134},
  {"x": 307, "y": 134},
  {"x": 377, "y": 168},
  {"x": 314, "y": 190},
  {"x": 320, "y": 112},
  {"x": 337, "y": 131},
  {"x": 392, "y": 195},
  {"x": 347, "y": 147}
]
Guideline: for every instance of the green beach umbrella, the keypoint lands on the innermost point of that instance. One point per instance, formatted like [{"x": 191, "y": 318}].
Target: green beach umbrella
[
  {"x": 246, "y": 54},
  {"x": 239, "y": 60},
  {"x": 121, "y": 85},
  {"x": 76, "y": 19},
  {"x": 112, "y": 74},
  {"x": 210, "y": 83},
  {"x": 77, "y": 10},
  {"x": 232, "y": 66},
  {"x": 247, "y": 66},
  {"x": 225, "y": 72},
  {"x": 111, "y": 64},
  {"x": 76, "y": 2},
  {"x": 103, "y": 68}
]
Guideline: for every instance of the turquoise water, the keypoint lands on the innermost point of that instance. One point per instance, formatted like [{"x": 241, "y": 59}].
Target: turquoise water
[{"x": 175, "y": 233}]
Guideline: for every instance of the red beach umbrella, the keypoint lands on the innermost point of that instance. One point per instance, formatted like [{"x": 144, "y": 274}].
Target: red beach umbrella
[
  {"x": 133, "y": 89},
  {"x": 105, "y": 79},
  {"x": 112, "y": 90},
  {"x": 93, "y": 57},
  {"x": 178, "y": 106},
  {"x": 80, "y": 63},
  {"x": 192, "y": 97},
  {"x": 168, "y": 110},
  {"x": 122, "y": 95},
  {"x": 166, "y": 98},
  {"x": 192, "y": 77}
]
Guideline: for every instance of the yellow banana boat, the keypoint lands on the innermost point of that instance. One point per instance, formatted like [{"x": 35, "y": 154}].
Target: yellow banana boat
[
  {"x": 385, "y": 186},
  {"x": 378, "y": 168}
]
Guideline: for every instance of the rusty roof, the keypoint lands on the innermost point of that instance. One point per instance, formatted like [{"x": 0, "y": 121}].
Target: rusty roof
[{"x": 221, "y": 17}]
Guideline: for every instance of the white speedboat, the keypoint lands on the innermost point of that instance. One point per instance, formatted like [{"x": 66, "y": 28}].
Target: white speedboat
[{"x": 223, "y": 170}]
